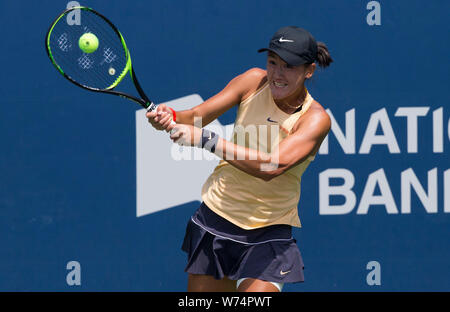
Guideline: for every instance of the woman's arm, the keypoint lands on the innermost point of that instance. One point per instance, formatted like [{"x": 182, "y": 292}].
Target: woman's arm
[
  {"x": 290, "y": 152},
  {"x": 235, "y": 92}
]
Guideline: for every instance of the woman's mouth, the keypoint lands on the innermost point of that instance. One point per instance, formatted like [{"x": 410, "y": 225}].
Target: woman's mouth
[{"x": 279, "y": 84}]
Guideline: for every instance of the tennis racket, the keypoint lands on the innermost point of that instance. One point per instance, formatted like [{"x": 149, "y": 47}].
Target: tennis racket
[{"x": 99, "y": 67}]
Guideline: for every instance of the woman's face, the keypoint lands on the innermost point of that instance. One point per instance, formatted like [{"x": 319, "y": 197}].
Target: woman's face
[{"x": 284, "y": 80}]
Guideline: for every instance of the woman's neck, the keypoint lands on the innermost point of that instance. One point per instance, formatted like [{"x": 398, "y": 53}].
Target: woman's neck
[{"x": 293, "y": 102}]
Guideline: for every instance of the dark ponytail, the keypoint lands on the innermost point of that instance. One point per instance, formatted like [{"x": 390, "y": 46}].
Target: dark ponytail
[{"x": 323, "y": 56}]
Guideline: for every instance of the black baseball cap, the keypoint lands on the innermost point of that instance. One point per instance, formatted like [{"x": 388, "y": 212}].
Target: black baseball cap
[{"x": 294, "y": 45}]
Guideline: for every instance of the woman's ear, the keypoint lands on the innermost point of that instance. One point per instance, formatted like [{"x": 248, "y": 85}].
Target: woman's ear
[{"x": 310, "y": 70}]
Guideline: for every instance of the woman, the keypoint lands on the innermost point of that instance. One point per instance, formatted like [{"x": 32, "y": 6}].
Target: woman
[{"x": 240, "y": 237}]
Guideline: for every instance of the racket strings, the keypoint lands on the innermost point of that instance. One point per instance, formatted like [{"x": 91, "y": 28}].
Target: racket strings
[
  {"x": 108, "y": 55},
  {"x": 70, "y": 67},
  {"x": 110, "y": 37},
  {"x": 95, "y": 79}
]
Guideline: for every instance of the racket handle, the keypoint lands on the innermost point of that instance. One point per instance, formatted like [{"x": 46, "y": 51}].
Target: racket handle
[{"x": 153, "y": 107}]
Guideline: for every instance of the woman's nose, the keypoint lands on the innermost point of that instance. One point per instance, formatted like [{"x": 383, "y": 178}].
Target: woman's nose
[{"x": 278, "y": 72}]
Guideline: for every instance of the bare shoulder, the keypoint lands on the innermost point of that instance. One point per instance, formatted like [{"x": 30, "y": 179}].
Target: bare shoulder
[
  {"x": 256, "y": 73},
  {"x": 318, "y": 111},
  {"x": 316, "y": 117},
  {"x": 253, "y": 79}
]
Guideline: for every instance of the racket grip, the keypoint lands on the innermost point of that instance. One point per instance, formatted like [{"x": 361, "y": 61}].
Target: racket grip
[{"x": 153, "y": 107}]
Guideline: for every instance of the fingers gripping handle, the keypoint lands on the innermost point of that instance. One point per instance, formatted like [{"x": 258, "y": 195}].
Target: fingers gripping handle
[{"x": 152, "y": 107}]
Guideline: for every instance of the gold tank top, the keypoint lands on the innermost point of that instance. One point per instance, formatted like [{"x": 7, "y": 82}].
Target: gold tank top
[{"x": 247, "y": 201}]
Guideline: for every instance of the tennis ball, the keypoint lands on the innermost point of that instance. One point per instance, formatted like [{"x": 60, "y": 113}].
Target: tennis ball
[{"x": 88, "y": 43}]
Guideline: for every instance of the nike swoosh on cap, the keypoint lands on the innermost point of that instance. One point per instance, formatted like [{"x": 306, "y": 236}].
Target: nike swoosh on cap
[
  {"x": 270, "y": 120},
  {"x": 285, "y": 40}
]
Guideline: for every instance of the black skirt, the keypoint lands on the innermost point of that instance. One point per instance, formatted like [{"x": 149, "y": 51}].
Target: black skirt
[{"x": 219, "y": 248}]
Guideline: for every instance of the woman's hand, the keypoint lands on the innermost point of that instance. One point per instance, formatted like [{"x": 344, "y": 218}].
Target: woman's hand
[
  {"x": 160, "y": 118},
  {"x": 186, "y": 135}
]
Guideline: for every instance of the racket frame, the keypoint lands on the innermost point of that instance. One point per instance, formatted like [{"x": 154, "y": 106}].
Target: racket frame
[{"x": 144, "y": 101}]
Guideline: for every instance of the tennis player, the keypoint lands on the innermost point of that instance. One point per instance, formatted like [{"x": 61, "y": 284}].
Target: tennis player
[{"x": 240, "y": 237}]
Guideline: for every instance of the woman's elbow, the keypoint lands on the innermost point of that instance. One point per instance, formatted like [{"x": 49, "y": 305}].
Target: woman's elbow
[
  {"x": 269, "y": 174},
  {"x": 265, "y": 177}
]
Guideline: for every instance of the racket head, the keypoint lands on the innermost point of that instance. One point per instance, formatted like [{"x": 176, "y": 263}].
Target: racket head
[{"x": 100, "y": 70}]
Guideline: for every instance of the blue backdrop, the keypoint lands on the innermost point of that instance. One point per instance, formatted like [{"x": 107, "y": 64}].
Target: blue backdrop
[{"x": 68, "y": 156}]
